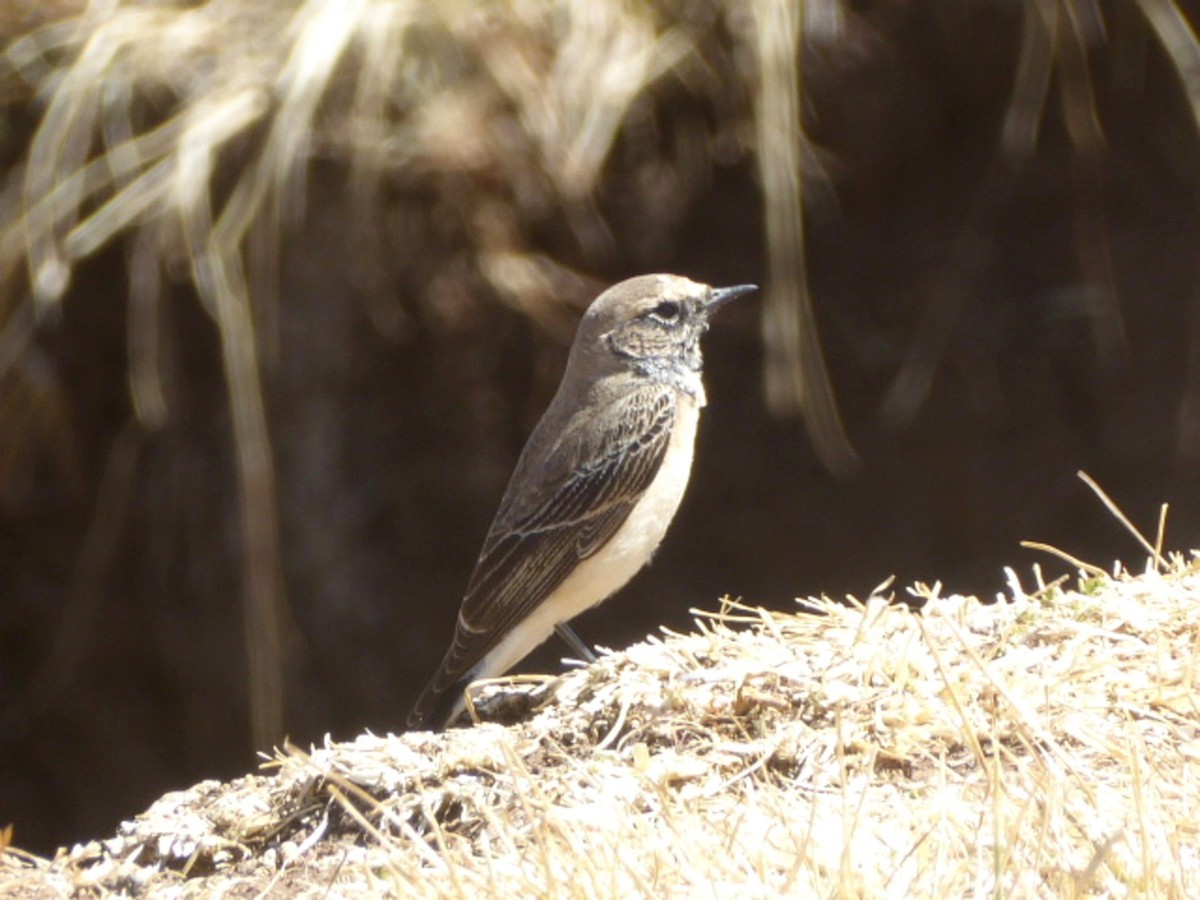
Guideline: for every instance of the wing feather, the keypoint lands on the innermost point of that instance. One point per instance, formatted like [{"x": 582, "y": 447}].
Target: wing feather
[{"x": 526, "y": 557}]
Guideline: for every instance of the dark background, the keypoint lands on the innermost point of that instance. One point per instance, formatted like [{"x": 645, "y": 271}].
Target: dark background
[{"x": 398, "y": 402}]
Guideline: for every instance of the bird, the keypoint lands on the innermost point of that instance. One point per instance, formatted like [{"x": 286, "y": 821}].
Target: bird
[{"x": 596, "y": 486}]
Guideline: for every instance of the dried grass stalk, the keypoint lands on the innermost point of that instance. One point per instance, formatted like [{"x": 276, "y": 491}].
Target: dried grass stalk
[{"x": 1045, "y": 745}]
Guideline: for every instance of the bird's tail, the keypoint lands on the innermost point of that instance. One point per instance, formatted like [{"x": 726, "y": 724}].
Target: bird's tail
[{"x": 440, "y": 703}]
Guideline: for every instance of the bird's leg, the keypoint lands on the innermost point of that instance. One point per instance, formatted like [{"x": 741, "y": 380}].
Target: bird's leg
[{"x": 571, "y": 639}]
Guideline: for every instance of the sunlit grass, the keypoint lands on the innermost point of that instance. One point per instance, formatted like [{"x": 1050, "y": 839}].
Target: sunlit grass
[
  {"x": 1043, "y": 745},
  {"x": 187, "y": 131}
]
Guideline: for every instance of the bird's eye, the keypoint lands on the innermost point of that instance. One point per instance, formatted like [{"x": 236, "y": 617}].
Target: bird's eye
[{"x": 668, "y": 311}]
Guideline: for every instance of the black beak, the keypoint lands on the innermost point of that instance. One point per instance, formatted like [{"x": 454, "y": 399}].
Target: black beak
[{"x": 720, "y": 296}]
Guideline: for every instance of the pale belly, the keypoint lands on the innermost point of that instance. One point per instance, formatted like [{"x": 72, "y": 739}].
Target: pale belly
[{"x": 600, "y": 576}]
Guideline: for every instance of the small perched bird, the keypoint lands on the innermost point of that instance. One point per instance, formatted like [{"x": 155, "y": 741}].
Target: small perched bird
[{"x": 595, "y": 487}]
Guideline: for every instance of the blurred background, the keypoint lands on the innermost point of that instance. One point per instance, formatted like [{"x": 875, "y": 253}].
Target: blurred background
[{"x": 285, "y": 285}]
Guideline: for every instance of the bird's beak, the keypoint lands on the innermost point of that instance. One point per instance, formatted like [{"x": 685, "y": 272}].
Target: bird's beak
[{"x": 720, "y": 296}]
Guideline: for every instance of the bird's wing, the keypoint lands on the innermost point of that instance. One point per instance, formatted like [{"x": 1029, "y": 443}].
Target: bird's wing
[{"x": 524, "y": 561}]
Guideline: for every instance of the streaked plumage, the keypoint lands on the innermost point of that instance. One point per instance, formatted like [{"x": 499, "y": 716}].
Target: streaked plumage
[{"x": 596, "y": 485}]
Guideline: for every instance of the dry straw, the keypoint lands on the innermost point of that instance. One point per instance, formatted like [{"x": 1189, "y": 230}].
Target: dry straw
[
  {"x": 187, "y": 131},
  {"x": 1045, "y": 745}
]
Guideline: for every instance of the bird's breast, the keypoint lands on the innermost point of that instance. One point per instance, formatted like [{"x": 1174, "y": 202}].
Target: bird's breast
[
  {"x": 601, "y": 575},
  {"x": 606, "y": 572},
  {"x": 643, "y": 530}
]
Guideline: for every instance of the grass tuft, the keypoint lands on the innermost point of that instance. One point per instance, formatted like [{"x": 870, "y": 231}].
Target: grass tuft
[{"x": 1019, "y": 747}]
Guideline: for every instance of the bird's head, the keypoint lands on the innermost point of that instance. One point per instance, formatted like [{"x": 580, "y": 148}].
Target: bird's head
[{"x": 652, "y": 324}]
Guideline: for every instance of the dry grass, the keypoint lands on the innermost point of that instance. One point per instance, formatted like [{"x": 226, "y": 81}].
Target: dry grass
[
  {"x": 186, "y": 131},
  {"x": 1047, "y": 745}
]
